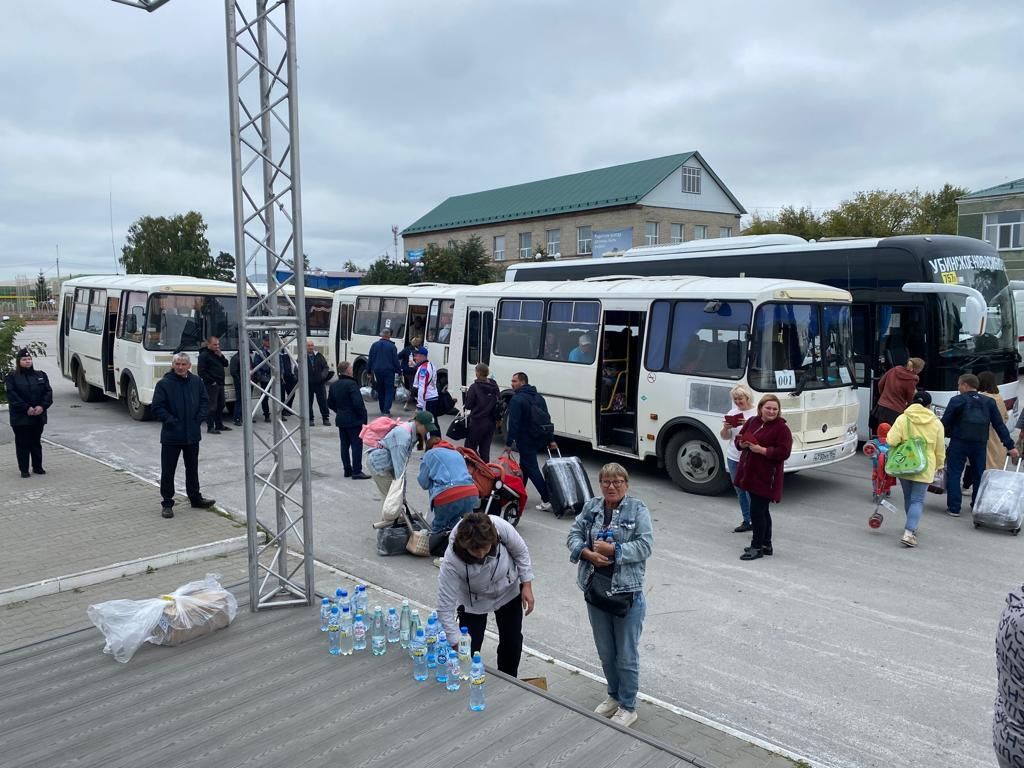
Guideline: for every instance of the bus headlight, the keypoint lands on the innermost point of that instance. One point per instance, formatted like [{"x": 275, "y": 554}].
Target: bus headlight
[
  {"x": 939, "y": 410},
  {"x": 851, "y": 429}
]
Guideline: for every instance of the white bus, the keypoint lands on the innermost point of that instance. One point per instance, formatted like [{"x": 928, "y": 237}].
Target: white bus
[
  {"x": 663, "y": 357},
  {"x": 420, "y": 310},
  {"x": 318, "y": 316}
]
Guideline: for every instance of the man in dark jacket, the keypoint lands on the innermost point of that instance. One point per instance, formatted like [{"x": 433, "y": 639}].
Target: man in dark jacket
[
  {"x": 481, "y": 400},
  {"x": 261, "y": 372},
  {"x": 318, "y": 374},
  {"x": 527, "y": 433},
  {"x": 180, "y": 402},
  {"x": 235, "y": 369},
  {"x": 212, "y": 365},
  {"x": 384, "y": 364},
  {"x": 350, "y": 415},
  {"x": 967, "y": 420}
]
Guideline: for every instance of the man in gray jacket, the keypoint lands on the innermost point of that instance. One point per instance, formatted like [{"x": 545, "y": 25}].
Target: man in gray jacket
[{"x": 486, "y": 569}]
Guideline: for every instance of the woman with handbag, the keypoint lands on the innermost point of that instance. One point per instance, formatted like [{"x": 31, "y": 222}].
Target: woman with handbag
[
  {"x": 765, "y": 443},
  {"x": 611, "y": 539},
  {"x": 919, "y": 422},
  {"x": 481, "y": 400},
  {"x": 486, "y": 569}
]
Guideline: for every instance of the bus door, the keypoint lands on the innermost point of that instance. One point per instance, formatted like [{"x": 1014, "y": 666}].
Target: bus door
[
  {"x": 416, "y": 324},
  {"x": 109, "y": 335},
  {"x": 476, "y": 347},
  {"x": 618, "y": 377},
  {"x": 344, "y": 331},
  {"x": 62, "y": 335}
]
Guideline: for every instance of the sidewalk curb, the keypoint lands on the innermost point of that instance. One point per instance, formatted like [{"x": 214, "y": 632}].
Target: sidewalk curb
[{"x": 115, "y": 571}]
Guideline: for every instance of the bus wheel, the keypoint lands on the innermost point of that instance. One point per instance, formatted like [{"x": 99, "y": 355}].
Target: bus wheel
[
  {"x": 86, "y": 392},
  {"x": 362, "y": 375},
  {"x": 695, "y": 465},
  {"x": 136, "y": 409}
]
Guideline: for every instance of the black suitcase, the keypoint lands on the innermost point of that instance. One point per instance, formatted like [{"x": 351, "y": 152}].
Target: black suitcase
[{"x": 568, "y": 485}]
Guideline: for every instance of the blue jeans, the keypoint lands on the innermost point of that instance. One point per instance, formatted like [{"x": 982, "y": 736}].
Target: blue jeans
[
  {"x": 618, "y": 646},
  {"x": 531, "y": 471},
  {"x": 914, "y": 495},
  {"x": 957, "y": 454},
  {"x": 447, "y": 515},
  {"x": 742, "y": 495},
  {"x": 385, "y": 383}
]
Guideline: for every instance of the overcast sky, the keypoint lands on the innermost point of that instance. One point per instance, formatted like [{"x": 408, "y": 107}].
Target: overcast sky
[{"x": 404, "y": 103}]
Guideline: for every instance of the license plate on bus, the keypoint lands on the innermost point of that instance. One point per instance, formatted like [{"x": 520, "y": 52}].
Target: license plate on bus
[{"x": 823, "y": 456}]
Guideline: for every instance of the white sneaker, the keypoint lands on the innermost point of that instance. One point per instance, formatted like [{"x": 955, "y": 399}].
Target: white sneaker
[
  {"x": 909, "y": 539},
  {"x": 607, "y": 707},
  {"x": 437, "y": 562},
  {"x": 624, "y": 717},
  {"x": 544, "y": 506}
]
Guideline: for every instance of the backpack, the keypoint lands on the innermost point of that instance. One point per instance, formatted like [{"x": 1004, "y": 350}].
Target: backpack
[
  {"x": 541, "y": 429},
  {"x": 974, "y": 419},
  {"x": 371, "y": 434}
]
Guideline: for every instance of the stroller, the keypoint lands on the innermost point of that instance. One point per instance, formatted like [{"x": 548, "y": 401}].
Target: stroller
[
  {"x": 501, "y": 493},
  {"x": 882, "y": 482}
]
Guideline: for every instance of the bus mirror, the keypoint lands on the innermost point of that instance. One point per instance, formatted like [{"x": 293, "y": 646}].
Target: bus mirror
[
  {"x": 975, "y": 307},
  {"x": 131, "y": 326},
  {"x": 732, "y": 354}
]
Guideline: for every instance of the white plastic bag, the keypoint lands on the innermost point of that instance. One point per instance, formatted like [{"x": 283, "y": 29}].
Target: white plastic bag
[
  {"x": 367, "y": 393},
  {"x": 401, "y": 394},
  {"x": 193, "y": 610}
]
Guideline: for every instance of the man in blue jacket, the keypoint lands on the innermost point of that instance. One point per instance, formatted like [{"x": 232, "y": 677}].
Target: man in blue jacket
[
  {"x": 180, "y": 402},
  {"x": 383, "y": 365},
  {"x": 526, "y": 412},
  {"x": 967, "y": 420}
]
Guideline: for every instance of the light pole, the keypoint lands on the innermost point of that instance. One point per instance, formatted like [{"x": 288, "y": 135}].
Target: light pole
[{"x": 267, "y": 202}]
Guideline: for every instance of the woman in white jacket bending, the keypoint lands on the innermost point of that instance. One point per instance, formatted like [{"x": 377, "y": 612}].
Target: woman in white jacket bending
[{"x": 486, "y": 569}]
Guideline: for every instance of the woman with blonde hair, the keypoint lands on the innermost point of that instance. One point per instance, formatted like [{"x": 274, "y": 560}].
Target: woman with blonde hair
[
  {"x": 765, "y": 443},
  {"x": 611, "y": 540},
  {"x": 742, "y": 409}
]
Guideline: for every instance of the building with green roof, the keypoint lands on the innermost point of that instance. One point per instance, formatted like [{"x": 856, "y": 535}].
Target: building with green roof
[
  {"x": 661, "y": 200},
  {"x": 996, "y": 214}
]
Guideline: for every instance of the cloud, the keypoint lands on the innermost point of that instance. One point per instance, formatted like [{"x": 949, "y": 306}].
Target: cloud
[{"x": 405, "y": 103}]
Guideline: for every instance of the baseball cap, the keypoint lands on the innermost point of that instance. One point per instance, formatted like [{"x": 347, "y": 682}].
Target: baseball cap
[{"x": 421, "y": 351}]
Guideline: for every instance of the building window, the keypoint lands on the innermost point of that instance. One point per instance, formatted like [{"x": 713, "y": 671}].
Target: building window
[
  {"x": 691, "y": 180},
  {"x": 499, "y": 248},
  {"x": 525, "y": 244},
  {"x": 452, "y": 244},
  {"x": 725, "y": 231},
  {"x": 1003, "y": 230},
  {"x": 584, "y": 240},
  {"x": 651, "y": 233},
  {"x": 677, "y": 233},
  {"x": 554, "y": 241},
  {"x": 700, "y": 231}
]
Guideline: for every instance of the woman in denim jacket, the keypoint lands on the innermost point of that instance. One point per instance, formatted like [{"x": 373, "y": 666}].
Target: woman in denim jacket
[{"x": 617, "y": 639}]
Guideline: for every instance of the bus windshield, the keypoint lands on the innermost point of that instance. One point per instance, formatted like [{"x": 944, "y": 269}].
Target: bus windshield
[
  {"x": 954, "y": 340},
  {"x": 800, "y": 346},
  {"x": 181, "y": 322}
]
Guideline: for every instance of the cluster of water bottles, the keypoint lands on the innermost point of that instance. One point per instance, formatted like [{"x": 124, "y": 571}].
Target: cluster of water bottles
[{"x": 428, "y": 646}]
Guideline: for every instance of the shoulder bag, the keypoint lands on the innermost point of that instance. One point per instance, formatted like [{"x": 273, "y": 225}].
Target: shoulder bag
[
  {"x": 599, "y": 591},
  {"x": 909, "y": 457}
]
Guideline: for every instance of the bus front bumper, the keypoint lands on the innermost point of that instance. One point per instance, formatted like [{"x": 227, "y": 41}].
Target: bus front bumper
[{"x": 822, "y": 455}]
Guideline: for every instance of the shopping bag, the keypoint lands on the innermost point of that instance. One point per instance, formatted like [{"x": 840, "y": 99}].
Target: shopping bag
[
  {"x": 419, "y": 533},
  {"x": 459, "y": 428},
  {"x": 393, "y": 539},
  {"x": 907, "y": 458},
  {"x": 938, "y": 484}
]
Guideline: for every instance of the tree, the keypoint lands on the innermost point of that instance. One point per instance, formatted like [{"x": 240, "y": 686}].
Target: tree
[
  {"x": 351, "y": 266},
  {"x": 168, "y": 246},
  {"x": 804, "y": 223},
  {"x": 224, "y": 265},
  {"x": 290, "y": 263},
  {"x": 386, "y": 272},
  {"x": 879, "y": 213},
  {"x": 463, "y": 262},
  {"x": 42, "y": 291},
  {"x": 937, "y": 212},
  {"x": 9, "y": 346}
]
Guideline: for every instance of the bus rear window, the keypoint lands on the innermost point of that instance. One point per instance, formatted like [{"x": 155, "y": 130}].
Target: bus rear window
[{"x": 519, "y": 328}]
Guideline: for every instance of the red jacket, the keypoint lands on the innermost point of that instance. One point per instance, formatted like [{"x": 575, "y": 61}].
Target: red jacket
[
  {"x": 896, "y": 388},
  {"x": 762, "y": 475}
]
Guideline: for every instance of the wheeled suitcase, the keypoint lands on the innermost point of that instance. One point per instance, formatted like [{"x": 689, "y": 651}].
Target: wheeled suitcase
[
  {"x": 999, "y": 502},
  {"x": 568, "y": 484}
]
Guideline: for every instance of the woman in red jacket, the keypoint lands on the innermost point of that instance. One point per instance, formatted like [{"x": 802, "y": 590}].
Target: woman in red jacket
[
  {"x": 765, "y": 443},
  {"x": 896, "y": 390}
]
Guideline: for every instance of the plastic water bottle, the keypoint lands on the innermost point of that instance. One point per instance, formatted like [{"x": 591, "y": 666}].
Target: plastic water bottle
[
  {"x": 464, "y": 658},
  {"x": 359, "y": 633},
  {"x": 325, "y": 614},
  {"x": 432, "y": 641},
  {"x": 340, "y": 597},
  {"x": 392, "y": 625},
  {"x": 345, "y": 640},
  {"x": 414, "y": 624},
  {"x": 378, "y": 643},
  {"x": 361, "y": 601},
  {"x": 477, "y": 678},
  {"x": 443, "y": 649},
  {"x": 404, "y": 625},
  {"x": 418, "y": 650},
  {"x": 454, "y": 671},
  {"x": 334, "y": 632}
]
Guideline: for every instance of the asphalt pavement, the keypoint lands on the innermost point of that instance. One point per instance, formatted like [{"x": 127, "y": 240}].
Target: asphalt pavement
[{"x": 843, "y": 647}]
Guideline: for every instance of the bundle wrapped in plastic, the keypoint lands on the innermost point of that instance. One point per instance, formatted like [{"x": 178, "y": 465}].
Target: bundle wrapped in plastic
[
  {"x": 401, "y": 394},
  {"x": 1000, "y": 500},
  {"x": 367, "y": 393},
  {"x": 194, "y": 610}
]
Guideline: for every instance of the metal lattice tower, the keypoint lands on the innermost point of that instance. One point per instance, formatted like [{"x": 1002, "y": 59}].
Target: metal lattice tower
[{"x": 264, "y": 121}]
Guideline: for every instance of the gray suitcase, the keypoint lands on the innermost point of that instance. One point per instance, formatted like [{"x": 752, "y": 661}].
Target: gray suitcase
[{"x": 999, "y": 502}]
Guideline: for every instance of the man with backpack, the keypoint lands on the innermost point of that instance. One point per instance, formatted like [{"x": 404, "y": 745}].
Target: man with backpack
[
  {"x": 530, "y": 428},
  {"x": 967, "y": 420}
]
